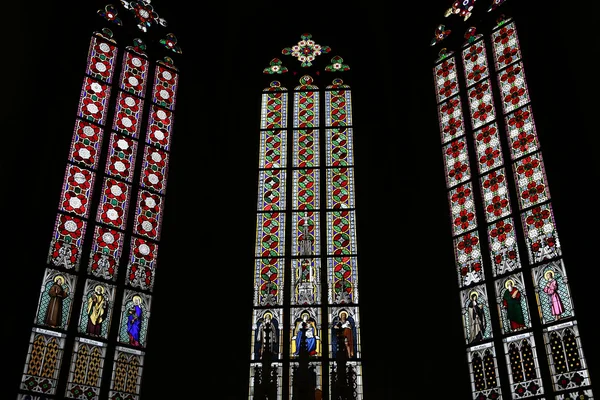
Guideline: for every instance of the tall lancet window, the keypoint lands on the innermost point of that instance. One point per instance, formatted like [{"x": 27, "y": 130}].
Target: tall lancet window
[
  {"x": 305, "y": 319},
  {"x": 91, "y": 326},
  {"x": 521, "y": 335}
]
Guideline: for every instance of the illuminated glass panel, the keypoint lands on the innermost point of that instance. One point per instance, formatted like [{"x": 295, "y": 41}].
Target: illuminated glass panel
[
  {"x": 506, "y": 46},
  {"x": 306, "y": 148},
  {"x": 483, "y": 367},
  {"x": 342, "y": 280},
  {"x": 271, "y": 190},
  {"x": 267, "y": 333},
  {"x": 148, "y": 215},
  {"x": 553, "y": 293},
  {"x": 154, "y": 170},
  {"x": 270, "y": 235},
  {"x": 306, "y": 281},
  {"x": 306, "y": 109},
  {"x": 101, "y": 58},
  {"x": 344, "y": 322},
  {"x": 451, "y": 120},
  {"x": 495, "y": 195},
  {"x": 446, "y": 82},
  {"x": 565, "y": 356},
  {"x": 76, "y": 191},
  {"x": 512, "y": 303},
  {"x": 165, "y": 87},
  {"x": 305, "y": 189},
  {"x": 354, "y": 379},
  {"x": 311, "y": 316},
  {"x": 306, "y": 233},
  {"x": 128, "y": 114},
  {"x": 456, "y": 162},
  {"x": 477, "y": 321},
  {"x": 340, "y": 188},
  {"x": 105, "y": 253},
  {"x": 522, "y": 364},
  {"x": 488, "y": 148},
  {"x": 540, "y": 233},
  {"x": 121, "y": 157},
  {"x": 141, "y": 267},
  {"x": 521, "y": 132},
  {"x": 273, "y": 149},
  {"x": 339, "y": 147},
  {"x": 462, "y": 208},
  {"x": 256, "y": 372},
  {"x": 513, "y": 87},
  {"x": 86, "y": 144},
  {"x": 44, "y": 358},
  {"x": 65, "y": 247},
  {"x": 114, "y": 201},
  {"x": 481, "y": 104},
  {"x": 474, "y": 59},
  {"x": 341, "y": 231},
  {"x": 96, "y": 308},
  {"x": 134, "y": 73},
  {"x": 504, "y": 252},
  {"x": 269, "y": 282},
  {"x": 93, "y": 100},
  {"x": 274, "y": 107},
  {"x": 135, "y": 313},
  {"x": 530, "y": 176},
  {"x": 85, "y": 372},
  {"x": 315, "y": 374},
  {"x": 467, "y": 252},
  {"x": 160, "y": 123},
  {"x": 127, "y": 374},
  {"x": 585, "y": 394},
  {"x": 338, "y": 105},
  {"x": 56, "y": 299}
]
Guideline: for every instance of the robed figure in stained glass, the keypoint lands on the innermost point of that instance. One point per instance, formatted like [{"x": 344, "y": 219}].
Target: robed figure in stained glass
[
  {"x": 96, "y": 308},
  {"x": 134, "y": 321},
  {"x": 346, "y": 327},
  {"x": 511, "y": 301},
  {"x": 476, "y": 318},
  {"x": 267, "y": 325},
  {"x": 57, "y": 293},
  {"x": 306, "y": 327},
  {"x": 551, "y": 289}
]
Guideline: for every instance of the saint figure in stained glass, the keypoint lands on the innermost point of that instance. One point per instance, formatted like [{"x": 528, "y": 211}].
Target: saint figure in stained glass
[
  {"x": 551, "y": 289},
  {"x": 96, "y": 308},
  {"x": 476, "y": 318},
  {"x": 511, "y": 301},
  {"x": 134, "y": 321},
  {"x": 267, "y": 336},
  {"x": 305, "y": 326},
  {"x": 54, "y": 312},
  {"x": 346, "y": 327}
]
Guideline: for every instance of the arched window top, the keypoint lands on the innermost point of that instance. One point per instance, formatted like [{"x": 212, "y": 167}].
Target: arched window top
[
  {"x": 306, "y": 82},
  {"x": 338, "y": 84},
  {"x": 275, "y": 86}
]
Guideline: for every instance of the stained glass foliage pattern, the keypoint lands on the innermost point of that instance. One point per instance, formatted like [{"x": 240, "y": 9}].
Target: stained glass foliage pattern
[
  {"x": 105, "y": 253},
  {"x": 76, "y": 191},
  {"x": 306, "y": 148},
  {"x": 126, "y": 377},
  {"x": 305, "y": 189},
  {"x": 553, "y": 293},
  {"x": 96, "y": 309},
  {"x": 477, "y": 322},
  {"x": 488, "y": 148},
  {"x": 271, "y": 191},
  {"x": 481, "y": 105},
  {"x": 154, "y": 170},
  {"x": 512, "y": 302},
  {"x": 273, "y": 149},
  {"x": 141, "y": 267},
  {"x": 495, "y": 195},
  {"x": 93, "y": 100},
  {"x": 102, "y": 56},
  {"x": 134, "y": 73},
  {"x": 114, "y": 202},
  {"x": 521, "y": 132},
  {"x": 342, "y": 280},
  {"x": 269, "y": 281},
  {"x": 128, "y": 114},
  {"x": 565, "y": 356},
  {"x": 540, "y": 233},
  {"x": 339, "y": 147},
  {"x": 270, "y": 235},
  {"x": 456, "y": 162},
  {"x": 467, "y": 252},
  {"x": 530, "y": 177},
  {"x": 306, "y": 233},
  {"x": 44, "y": 359},
  {"x": 306, "y": 109},
  {"x": 451, "y": 119},
  {"x": 504, "y": 252},
  {"x": 148, "y": 215},
  {"x": 160, "y": 123},
  {"x": 483, "y": 367},
  {"x": 56, "y": 299},
  {"x": 474, "y": 60},
  {"x": 338, "y": 105},
  {"x": 506, "y": 46},
  {"x": 341, "y": 233},
  {"x": 513, "y": 87},
  {"x": 274, "y": 107},
  {"x": 86, "y": 144},
  {"x": 340, "y": 188},
  {"x": 462, "y": 208},
  {"x": 446, "y": 82},
  {"x": 165, "y": 87},
  {"x": 523, "y": 369},
  {"x": 65, "y": 246},
  {"x": 85, "y": 371},
  {"x": 122, "y": 151}
]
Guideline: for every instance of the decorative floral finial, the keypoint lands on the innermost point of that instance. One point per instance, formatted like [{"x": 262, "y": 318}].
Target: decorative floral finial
[
  {"x": 110, "y": 13},
  {"x": 144, "y": 13},
  {"x": 337, "y": 64},
  {"x": 275, "y": 67},
  {"x": 170, "y": 42},
  {"x": 306, "y": 50}
]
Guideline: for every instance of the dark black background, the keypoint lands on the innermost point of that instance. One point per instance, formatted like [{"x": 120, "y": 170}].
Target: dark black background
[{"x": 198, "y": 338}]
